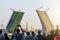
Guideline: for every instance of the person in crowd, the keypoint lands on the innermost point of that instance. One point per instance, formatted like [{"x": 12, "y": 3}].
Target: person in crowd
[
  {"x": 34, "y": 36},
  {"x": 24, "y": 36},
  {"x": 52, "y": 35},
  {"x": 28, "y": 36},
  {"x": 1, "y": 36},
  {"x": 44, "y": 36},
  {"x": 48, "y": 37},
  {"x": 6, "y": 36},
  {"x": 12, "y": 38},
  {"x": 17, "y": 31},
  {"x": 18, "y": 27},
  {"x": 40, "y": 37},
  {"x": 18, "y": 35}
]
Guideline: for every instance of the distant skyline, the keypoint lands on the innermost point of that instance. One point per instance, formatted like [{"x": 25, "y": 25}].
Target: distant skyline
[{"x": 29, "y": 8}]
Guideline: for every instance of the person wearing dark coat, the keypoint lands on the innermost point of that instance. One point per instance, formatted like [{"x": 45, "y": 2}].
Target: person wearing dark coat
[
  {"x": 34, "y": 36},
  {"x": 40, "y": 37},
  {"x": 6, "y": 36}
]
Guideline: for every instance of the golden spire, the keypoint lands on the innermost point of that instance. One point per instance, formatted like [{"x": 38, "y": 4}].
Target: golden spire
[{"x": 27, "y": 27}]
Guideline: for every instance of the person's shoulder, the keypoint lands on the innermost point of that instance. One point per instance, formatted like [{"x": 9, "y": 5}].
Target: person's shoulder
[{"x": 1, "y": 35}]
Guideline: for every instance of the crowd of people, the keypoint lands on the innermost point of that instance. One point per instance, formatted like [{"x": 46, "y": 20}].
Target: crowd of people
[{"x": 17, "y": 35}]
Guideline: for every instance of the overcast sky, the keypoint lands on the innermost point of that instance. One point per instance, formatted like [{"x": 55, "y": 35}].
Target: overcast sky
[{"x": 29, "y": 8}]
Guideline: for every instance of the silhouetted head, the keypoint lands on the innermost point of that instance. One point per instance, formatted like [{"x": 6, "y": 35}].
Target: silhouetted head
[
  {"x": 32, "y": 32},
  {"x": 39, "y": 32},
  {"x": 44, "y": 34},
  {"x": 28, "y": 33},
  {"x": 17, "y": 30},
  {"x": 5, "y": 34},
  {"x": 0, "y": 31}
]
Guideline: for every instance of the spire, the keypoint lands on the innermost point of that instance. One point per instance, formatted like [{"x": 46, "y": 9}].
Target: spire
[{"x": 27, "y": 27}]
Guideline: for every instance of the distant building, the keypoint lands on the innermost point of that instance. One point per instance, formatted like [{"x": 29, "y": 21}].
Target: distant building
[{"x": 14, "y": 20}]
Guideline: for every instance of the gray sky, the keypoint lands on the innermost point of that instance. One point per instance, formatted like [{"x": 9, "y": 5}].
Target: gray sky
[{"x": 29, "y": 8}]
